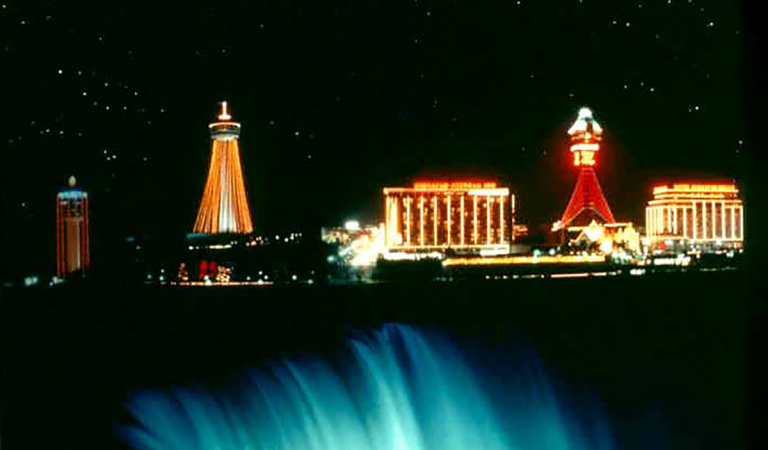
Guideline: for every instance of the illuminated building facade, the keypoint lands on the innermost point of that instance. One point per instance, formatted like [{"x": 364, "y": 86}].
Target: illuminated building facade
[
  {"x": 224, "y": 208},
  {"x": 465, "y": 217},
  {"x": 72, "y": 231},
  {"x": 704, "y": 216},
  {"x": 587, "y": 202}
]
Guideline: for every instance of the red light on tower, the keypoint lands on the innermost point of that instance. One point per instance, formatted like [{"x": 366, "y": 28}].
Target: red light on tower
[
  {"x": 587, "y": 202},
  {"x": 586, "y": 135},
  {"x": 72, "y": 231}
]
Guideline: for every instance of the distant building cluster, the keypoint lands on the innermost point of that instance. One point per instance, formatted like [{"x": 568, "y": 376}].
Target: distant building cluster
[
  {"x": 456, "y": 220},
  {"x": 464, "y": 223}
]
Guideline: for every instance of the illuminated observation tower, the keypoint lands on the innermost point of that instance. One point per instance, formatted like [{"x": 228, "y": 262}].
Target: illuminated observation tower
[
  {"x": 587, "y": 202},
  {"x": 224, "y": 208},
  {"x": 72, "y": 231}
]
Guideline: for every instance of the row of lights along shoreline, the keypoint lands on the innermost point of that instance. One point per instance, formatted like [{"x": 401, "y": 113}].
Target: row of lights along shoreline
[{"x": 435, "y": 228}]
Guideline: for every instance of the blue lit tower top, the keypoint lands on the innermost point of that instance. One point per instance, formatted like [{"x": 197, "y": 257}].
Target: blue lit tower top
[{"x": 73, "y": 193}]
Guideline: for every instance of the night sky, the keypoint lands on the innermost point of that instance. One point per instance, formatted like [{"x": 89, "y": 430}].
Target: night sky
[{"x": 341, "y": 98}]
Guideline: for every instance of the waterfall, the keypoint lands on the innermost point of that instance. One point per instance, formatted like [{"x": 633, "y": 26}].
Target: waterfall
[{"x": 396, "y": 388}]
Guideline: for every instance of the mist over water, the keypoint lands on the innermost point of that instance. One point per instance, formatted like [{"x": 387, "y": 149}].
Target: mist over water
[{"x": 396, "y": 388}]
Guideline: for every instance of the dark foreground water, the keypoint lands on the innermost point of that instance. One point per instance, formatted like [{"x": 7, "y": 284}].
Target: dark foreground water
[{"x": 637, "y": 363}]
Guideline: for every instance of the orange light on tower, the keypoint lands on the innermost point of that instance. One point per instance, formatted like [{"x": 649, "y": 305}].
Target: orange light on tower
[
  {"x": 224, "y": 208},
  {"x": 587, "y": 202},
  {"x": 72, "y": 231}
]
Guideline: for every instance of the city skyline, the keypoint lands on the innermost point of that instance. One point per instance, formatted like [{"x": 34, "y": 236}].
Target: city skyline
[
  {"x": 336, "y": 108},
  {"x": 380, "y": 216}
]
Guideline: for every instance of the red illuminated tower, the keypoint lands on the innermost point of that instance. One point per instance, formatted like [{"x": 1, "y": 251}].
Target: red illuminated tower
[
  {"x": 224, "y": 208},
  {"x": 587, "y": 201},
  {"x": 72, "y": 231}
]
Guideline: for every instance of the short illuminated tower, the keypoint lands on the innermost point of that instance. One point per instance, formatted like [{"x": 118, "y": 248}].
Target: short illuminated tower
[
  {"x": 224, "y": 208},
  {"x": 72, "y": 231},
  {"x": 587, "y": 202}
]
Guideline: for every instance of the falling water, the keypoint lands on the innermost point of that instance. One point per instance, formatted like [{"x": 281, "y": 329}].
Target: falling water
[{"x": 398, "y": 388}]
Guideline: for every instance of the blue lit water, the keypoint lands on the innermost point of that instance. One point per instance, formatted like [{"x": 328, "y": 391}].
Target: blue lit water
[{"x": 397, "y": 388}]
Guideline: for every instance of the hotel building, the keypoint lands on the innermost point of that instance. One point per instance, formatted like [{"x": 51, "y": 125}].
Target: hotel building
[
  {"x": 463, "y": 217},
  {"x": 704, "y": 216}
]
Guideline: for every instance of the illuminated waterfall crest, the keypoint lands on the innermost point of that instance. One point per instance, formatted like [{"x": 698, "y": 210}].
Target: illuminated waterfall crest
[{"x": 395, "y": 389}]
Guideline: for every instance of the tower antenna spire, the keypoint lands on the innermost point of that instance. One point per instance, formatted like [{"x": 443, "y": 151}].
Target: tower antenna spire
[{"x": 224, "y": 115}]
